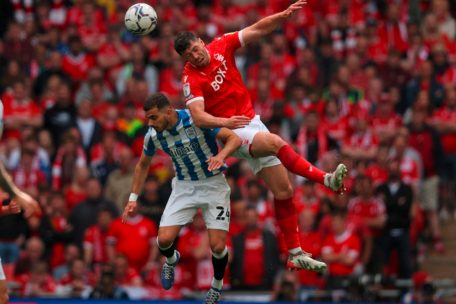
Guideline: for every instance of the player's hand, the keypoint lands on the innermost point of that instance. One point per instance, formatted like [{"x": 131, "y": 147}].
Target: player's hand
[
  {"x": 294, "y": 7},
  {"x": 129, "y": 209},
  {"x": 235, "y": 122},
  {"x": 214, "y": 163},
  {"x": 28, "y": 204},
  {"x": 13, "y": 208}
]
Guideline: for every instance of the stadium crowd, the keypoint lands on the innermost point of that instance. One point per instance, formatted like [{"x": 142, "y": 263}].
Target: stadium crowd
[{"x": 368, "y": 83}]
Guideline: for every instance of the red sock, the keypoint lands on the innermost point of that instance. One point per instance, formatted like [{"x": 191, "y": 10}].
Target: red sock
[
  {"x": 288, "y": 221},
  {"x": 297, "y": 164}
]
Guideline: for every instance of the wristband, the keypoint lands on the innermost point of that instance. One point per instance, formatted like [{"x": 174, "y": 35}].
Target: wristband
[{"x": 133, "y": 197}]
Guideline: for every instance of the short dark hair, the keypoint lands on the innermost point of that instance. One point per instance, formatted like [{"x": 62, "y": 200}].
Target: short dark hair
[
  {"x": 158, "y": 100},
  {"x": 183, "y": 40}
]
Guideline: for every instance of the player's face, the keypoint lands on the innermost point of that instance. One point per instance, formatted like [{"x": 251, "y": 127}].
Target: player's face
[
  {"x": 159, "y": 118},
  {"x": 197, "y": 54}
]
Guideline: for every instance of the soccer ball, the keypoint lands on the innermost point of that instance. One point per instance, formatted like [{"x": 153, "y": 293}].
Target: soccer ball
[{"x": 141, "y": 19}]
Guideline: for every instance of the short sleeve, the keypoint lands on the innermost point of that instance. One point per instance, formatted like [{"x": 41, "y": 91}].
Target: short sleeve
[
  {"x": 149, "y": 147},
  {"x": 233, "y": 40},
  {"x": 211, "y": 132},
  {"x": 191, "y": 88}
]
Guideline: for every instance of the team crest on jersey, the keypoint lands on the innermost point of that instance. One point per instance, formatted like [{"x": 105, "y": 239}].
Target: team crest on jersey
[
  {"x": 186, "y": 88},
  {"x": 191, "y": 132}
]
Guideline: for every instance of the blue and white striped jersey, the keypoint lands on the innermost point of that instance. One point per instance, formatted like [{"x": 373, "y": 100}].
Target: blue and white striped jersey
[{"x": 188, "y": 146}]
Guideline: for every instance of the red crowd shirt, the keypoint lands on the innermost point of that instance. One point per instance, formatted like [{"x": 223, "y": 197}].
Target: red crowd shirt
[
  {"x": 311, "y": 242},
  {"x": 95, "y": 238},
  {"x": 219, "y": 84},
  {"x": 347, "y": 243},
  {"x": 365, "y": 210},
  {"x": 448, "y": 139},
  {"x": 133, "y": 239},
  {"x": 13, "y": 109},
  {"x": 253, "y": 258}
]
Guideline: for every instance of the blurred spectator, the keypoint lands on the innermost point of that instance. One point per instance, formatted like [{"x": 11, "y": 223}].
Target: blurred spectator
[
  {"x": 425, "y": 81},
  {"x": 378, "y": 169},
  {"x": 69, "y": 157},
  {"x": 313, "y": 141},
  {"x": 124, "y": 274},
  {"x": 71, "y": 254},
  {"x": 19, "y": 47},
  {"x": 286, "y": 287},
  {"x": 107, "y": 288},
  {"x": 38, "y": 282},
  {"x": 255, "y": 196},
  {"x": 369, "y": 210},
  {"x": 426, "y": 141},
  {"x": 85, "y": 214},
  {"x": 341, "y": 251},
  {"x": 20, "y": 110},
  {"x": 95, "y": 244},
  {"x": 136, "y": 69},
  {"x": 129, "y": 124},
  {"x": 55, "y": 230},
  {"x": 33, "y": 255},
  {"x": 61, "y": 116},
  {"x": 94, "y": 89},
  {"x": 75, "y": 192},
  {"x": 256, "y": 256},
  {"x": 153, "y": 199},
  {"x": 118, "y": 185},
  {"x": 134, "y": 239},
  {"x": 104, "y": 156},
  {"x": 11, "y": 239},
  {"x": 398, "y": 199},
  {"x": 76, "y": 63},
  {"x": 89, "y": 128},
  {"x": 362, "y": 144},
  {"x": 77, "y": 281},
  {"x": 27, "y": 176}
]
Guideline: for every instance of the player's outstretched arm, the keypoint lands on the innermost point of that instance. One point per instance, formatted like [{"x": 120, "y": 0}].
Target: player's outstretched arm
[
  {"x": 25, "y": 201},
  {"x": 231, "y": 143},
  {"x": 141, "y": 170},
  {"x": 268, "y": 24},
  {"x": 203, "y": 119}
]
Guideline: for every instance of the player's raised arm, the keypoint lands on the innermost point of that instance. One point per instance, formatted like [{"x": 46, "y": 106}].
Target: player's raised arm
[
  {"x": 141, "y": 170},
  {"x": 268, "y": 24},
  {"x": 203, "y": 119},
  {"x": 231, "y": 143}
]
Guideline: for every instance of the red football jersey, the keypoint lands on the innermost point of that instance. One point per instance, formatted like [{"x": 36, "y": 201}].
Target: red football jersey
[
  {"x": 346, "y": 243},
  {"x": 219, "y": 84},
  {"x": 365, "y": 210}
]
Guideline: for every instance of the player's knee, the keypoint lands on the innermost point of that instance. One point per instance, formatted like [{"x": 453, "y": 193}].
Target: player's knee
[
  {"x": 218, "y": 248},
  {"x": 283, "y": 192},
  {"x": 164, "y": 239},
  {"x": 276, "y": 142}
]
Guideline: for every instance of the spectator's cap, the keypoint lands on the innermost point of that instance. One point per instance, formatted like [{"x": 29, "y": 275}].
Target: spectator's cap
[{"x": 420, "y": 278}]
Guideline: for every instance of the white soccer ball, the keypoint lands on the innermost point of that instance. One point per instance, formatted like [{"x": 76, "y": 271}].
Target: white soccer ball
[{"x": 141, "y": 19}]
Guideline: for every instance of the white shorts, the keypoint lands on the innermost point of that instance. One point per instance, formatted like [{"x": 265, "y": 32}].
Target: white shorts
[
  {"x": 247, "y": 134},
  {"x": 2, "y": 273},
  {"x": 212, "y": 195}
]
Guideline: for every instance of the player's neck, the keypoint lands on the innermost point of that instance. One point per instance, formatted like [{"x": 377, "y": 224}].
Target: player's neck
[{"x": 173, "y": 121}]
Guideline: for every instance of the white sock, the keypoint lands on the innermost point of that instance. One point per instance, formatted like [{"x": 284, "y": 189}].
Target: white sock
[
  {"x": 295, "y": 250},
  {"x": 217, "y": 284},
  {"x": 172, "y": 259},
  {"x": 220, "y": 255}
]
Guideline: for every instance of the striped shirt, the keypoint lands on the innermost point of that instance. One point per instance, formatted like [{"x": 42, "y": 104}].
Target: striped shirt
[{"x": 189, "y": 147}]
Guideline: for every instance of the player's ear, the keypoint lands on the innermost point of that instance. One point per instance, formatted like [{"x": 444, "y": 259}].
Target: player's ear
[{"x": 201, "y": 41}]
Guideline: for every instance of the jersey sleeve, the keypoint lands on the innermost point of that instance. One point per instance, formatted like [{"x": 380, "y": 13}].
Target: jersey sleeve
[
  {"x": 233, "y": 40},
  {"x": 149, "y": 147},
  {"x": 211, "y": 132},
  {"x": 192, "y": 88}
]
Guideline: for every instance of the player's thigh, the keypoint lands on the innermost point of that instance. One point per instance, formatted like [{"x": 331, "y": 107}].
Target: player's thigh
[
  {"x": 278, "y": 181},
  {"x": 266, "y": 144},
  {"x": 215, "y": 205},
  {"x": 181, "y": 206},
  {"x": 217, "y": 239}
]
